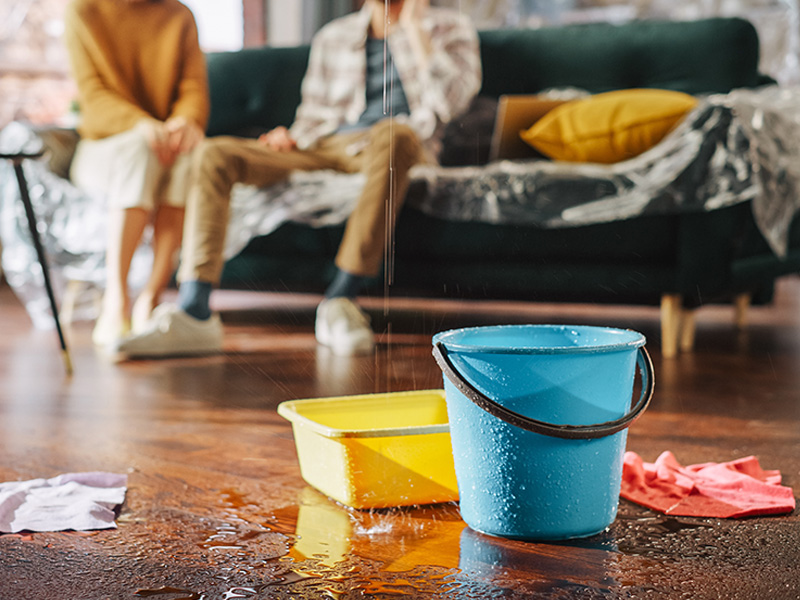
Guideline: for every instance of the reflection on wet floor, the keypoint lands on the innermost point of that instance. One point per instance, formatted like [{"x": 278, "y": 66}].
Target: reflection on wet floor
[
  {"x": 315, "y": 548},
  {"x": 332, "y": 551},
  {"x": 329, "y": 542}
]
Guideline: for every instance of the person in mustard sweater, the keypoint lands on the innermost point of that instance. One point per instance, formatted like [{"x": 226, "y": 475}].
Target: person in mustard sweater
[{"x": 143, "y": 100}]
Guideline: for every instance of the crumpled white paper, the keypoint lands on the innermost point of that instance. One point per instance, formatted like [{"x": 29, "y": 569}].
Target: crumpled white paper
[{"x": 78, "y": 501}]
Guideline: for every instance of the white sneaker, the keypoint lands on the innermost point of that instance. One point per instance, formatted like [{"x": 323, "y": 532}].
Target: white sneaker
[
  {"x": 172, "y": 332},
  {"x": 106, "y": 332},
  {"x": 343, "y": 327},
  {"x": 141, "y": 314}
]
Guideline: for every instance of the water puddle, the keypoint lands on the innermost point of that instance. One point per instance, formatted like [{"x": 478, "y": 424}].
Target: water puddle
[
  {"x": 173, "y": 593},
  {"x": 236, "y": 530},
  {"x": 657, "y": 536}
]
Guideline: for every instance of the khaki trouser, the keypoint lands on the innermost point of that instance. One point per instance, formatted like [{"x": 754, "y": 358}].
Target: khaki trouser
[
  {"x": 389, "y": 151},
  {"x": 123, "y": 171}
]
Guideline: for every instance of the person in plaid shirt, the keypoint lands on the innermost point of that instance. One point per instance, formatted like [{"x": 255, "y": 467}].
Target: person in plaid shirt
[{"x": 381, "y": 84}]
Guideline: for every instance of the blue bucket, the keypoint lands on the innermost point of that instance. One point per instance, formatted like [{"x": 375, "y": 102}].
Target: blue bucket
[{"x": 538, "y": 423}]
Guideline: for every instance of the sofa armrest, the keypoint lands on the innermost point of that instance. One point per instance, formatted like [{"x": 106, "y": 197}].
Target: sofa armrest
[{"x": 59, "y": 145}]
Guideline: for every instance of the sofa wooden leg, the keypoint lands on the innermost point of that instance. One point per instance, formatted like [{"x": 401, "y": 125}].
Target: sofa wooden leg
[
  {"x": 671, "y": 313},
  {"x": 741, "y": 305},
  {"x": 688, "y": 329}
]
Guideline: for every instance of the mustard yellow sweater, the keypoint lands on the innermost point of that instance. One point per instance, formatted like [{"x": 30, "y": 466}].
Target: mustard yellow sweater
[{"x": 133, "y": 60}]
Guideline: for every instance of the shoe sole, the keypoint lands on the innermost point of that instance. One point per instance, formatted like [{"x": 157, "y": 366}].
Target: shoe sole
[
  {"x": 361, "y": 347},
  {"x": 121, "y": 355}
]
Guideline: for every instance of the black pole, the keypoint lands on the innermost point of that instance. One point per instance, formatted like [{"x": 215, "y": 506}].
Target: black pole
[{"x": 26, "y": 201}]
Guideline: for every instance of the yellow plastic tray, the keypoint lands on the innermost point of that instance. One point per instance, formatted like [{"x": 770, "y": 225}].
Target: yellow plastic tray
[{"x": 376, "y": 450}]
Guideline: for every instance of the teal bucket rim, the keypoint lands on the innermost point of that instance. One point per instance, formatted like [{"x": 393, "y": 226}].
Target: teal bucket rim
[
  {"x": 584, "y": 432},
  {"x": 638, "y": 340}
]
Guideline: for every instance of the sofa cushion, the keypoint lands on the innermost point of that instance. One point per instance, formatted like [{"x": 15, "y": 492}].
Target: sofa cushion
[
  {"x": 610, "y": 127},
  {"x": 255, "y": 89}
]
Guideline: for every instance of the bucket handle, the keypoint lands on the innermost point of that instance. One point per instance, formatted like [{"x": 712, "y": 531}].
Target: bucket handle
[{"x": 572, "y": 432}]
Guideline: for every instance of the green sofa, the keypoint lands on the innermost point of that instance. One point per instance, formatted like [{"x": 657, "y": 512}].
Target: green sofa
[{"x": 678, "y": 260}]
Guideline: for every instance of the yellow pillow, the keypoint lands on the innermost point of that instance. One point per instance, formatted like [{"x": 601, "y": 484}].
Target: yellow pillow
[{"x": 609, "y": 127}]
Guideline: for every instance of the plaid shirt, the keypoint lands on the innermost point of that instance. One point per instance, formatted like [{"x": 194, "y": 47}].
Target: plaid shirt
[{"x": 334, "y": 87}]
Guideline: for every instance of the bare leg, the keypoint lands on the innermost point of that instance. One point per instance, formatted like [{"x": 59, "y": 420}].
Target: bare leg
[
  {"x": 125, "y": 229},
  {"x": 167, "y": 235}
]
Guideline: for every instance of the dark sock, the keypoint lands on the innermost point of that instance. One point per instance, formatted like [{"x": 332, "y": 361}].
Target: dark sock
[
  {"x": 194, "y": 298},
  {"x": 344, "y": 284}
]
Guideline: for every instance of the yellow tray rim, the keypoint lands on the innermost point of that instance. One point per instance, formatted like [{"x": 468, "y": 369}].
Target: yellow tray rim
[{"x": 288, "y": 411}]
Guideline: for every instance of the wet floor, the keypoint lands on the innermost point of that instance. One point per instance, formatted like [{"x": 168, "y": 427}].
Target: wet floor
[
  {"x": 319, "y": 549},
  {"x": 217, "y": 509}
]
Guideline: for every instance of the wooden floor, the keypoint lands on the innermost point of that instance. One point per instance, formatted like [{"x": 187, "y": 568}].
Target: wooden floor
[{"x": 216, "y": 507}]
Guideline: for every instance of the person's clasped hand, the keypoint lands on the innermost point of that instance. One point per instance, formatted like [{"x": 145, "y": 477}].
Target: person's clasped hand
[
  {"x": 171, "y": 138},
  {"x": 278, "y": 139},
  {"x": 183, "y": 134}
]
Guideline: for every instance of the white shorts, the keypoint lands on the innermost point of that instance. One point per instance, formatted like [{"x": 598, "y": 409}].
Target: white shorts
[{"x": 126, "y": 173}]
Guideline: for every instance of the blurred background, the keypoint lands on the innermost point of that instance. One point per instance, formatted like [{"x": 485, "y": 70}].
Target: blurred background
[{"x": 35, "y": 85}]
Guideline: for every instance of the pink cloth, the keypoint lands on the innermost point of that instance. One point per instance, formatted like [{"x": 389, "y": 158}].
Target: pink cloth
[{"x": 739, "y": 488}]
